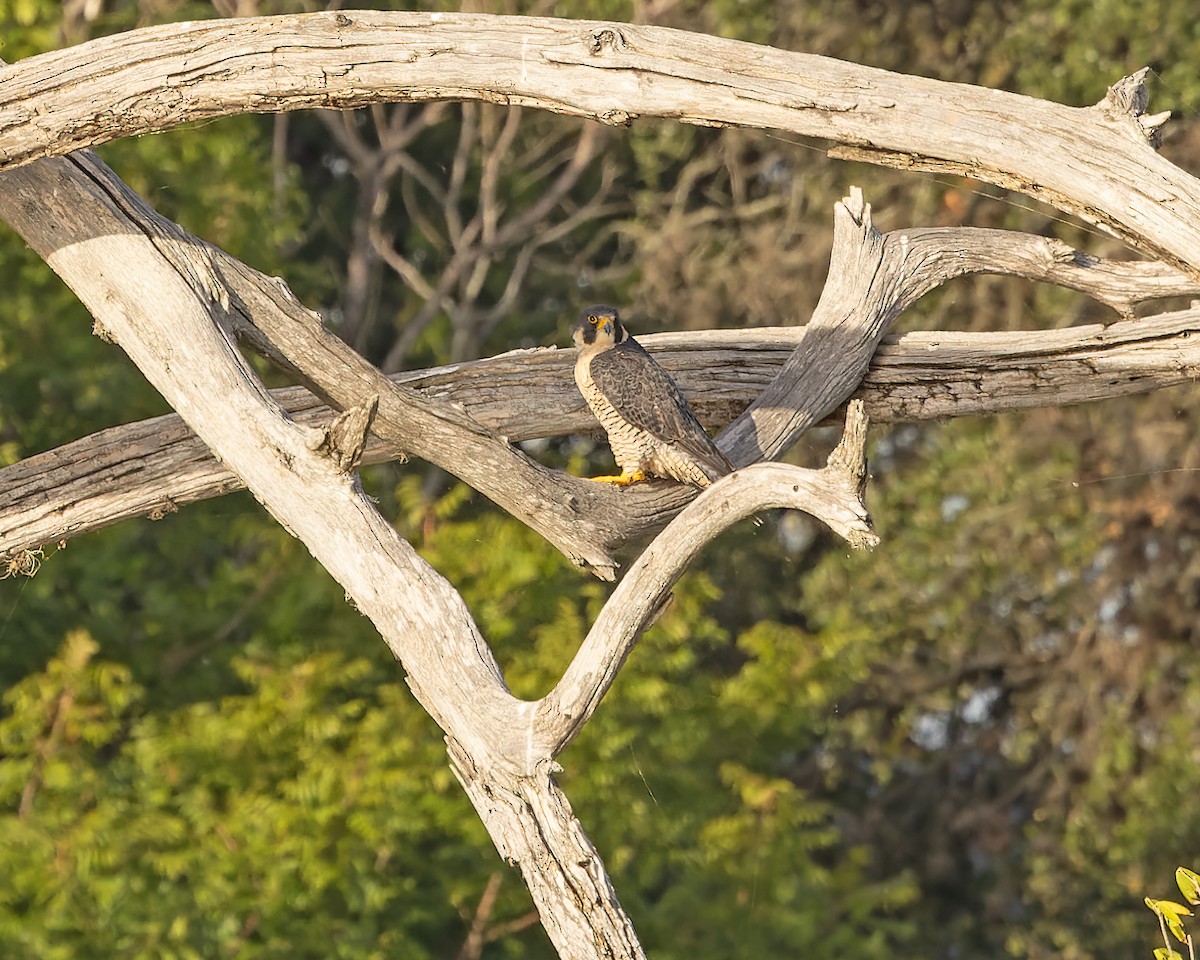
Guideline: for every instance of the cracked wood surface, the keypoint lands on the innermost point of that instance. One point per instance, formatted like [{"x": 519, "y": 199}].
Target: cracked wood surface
[
  {"x": 162, "y": 76},
  {"x": 159, "y": 294},
  {"x": 175, "y": 304},
  {"x": 1098, "y": 162},
  {"x": 158, "y": 299},
  {"x": 152, "y": 467},
  {"x": 591, "y": 523}
]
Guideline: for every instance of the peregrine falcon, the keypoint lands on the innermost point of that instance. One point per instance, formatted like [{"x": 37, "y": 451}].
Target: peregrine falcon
[{"x": 650, "y": 426}]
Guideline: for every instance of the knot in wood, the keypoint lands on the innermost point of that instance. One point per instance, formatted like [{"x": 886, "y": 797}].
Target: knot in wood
[
  {"x": 341, "y": 20},
  {"x": 1129, "y": 94},
  {"x": 609, "y": 37},
  {"x": 1129, "y": 98},
  {"x": 101, "y": 331},
  {"x": 1059, "y": 251},
  {"x": 163, "y": 510},
  {"x": 616, "y": 118}
]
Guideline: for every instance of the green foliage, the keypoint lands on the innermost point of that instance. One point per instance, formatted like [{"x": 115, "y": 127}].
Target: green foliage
[
  {"x": 236, "y": 204},
  {"x": 313, "y": 815},
  {"x": 1170, "y": 915},
  {"x": 699, "y": 761},
  {"x": 1188, "y": 882},
  {"x": 977, "y": 741},
  {"x": 679, "y": 775},
  {"x": 315, "y": 807},
  {"x": 28, "y": 27}
]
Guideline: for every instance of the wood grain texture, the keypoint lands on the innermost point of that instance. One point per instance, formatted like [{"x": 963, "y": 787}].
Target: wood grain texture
[
  {"x": 833, "y": 495},
  {"x": 152, "y": 467},
  {"x": 157, "y": 295},
  {"x": 152, "y": 79},
  {"x": 1098, "y": 162},
  {"x": 176, "y": 304}
]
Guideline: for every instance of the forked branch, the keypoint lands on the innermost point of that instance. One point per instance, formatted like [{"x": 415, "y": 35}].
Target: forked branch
[
  {"x": 70, "y": 211},
  {"x": 152, "y": 467},
  {"x": 832, "y": 495},
  {"x": 53, "y": 103},
  {"x": 111, "y": 250},
  {"x": 177, "y": 305}
]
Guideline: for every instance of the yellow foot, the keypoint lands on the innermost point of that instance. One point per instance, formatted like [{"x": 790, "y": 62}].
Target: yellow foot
[{"x": 625, "y": 479}]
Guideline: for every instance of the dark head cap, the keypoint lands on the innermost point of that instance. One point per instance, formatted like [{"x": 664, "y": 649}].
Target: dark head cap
[{"x": 598, "y": 325}]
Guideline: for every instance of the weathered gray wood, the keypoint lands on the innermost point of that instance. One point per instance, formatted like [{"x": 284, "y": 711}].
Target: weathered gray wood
[
  {"x": 176, "y": 305},
  {"x": 873, "y": 278},
  {"x": 1098, "y": 161},
  {"x": 534, "y": 828},
  {"x": 834, "y": 494},
  {"x": 158, "y": 293},
  {"x": 152, "y": 467},
  {"x": 183, "y": 71},
  {"x": 561, "y": 509}
]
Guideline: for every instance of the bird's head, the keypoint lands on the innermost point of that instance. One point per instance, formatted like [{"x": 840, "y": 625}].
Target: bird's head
[{"x": 598, "y": 326}]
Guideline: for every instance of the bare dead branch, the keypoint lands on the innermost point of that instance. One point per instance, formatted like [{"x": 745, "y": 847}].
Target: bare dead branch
[
  {"x": 340, "y": 125},
  {"x": 472, "y": 947},
  {"x": 150, "y": 467},
  {"x": 493, "y": 232},
  {"x": 415, "y": 209},
  {"x": 384, "y": 246},
  {"x": 87, "y": 225},
  {"x": 77, "y": 214},
  {"x": 872, "y": 279},
  {"x": 833, "y": 495},
  {"x": 531, "y": 813},
  {"x": 1076, "y": 158},
  {"x": 585, "y": 149},
  {"x": 274, "y": 324},
  {"x": 496, "y": 148},
  {"x": 467, "y": 134}
]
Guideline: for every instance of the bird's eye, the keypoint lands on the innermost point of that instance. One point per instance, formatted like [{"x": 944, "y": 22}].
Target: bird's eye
[{"x": 593, "y": 320}]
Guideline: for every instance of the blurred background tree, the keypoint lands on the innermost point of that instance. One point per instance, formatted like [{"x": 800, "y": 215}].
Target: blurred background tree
[{"x": 977, "y": 741}]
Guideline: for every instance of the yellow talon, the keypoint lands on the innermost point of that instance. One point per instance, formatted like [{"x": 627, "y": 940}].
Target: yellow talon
[{"x": 625, "y": 479}]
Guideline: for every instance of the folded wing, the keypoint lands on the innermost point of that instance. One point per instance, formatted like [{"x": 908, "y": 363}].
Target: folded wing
[{"x": 644, "y": 394}]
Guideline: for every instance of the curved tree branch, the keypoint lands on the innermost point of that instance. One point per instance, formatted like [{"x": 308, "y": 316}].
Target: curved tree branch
[
  {"x": 78, "y": 215},
  {"x": 169, "y": 312},
  {"x": 176, "y": 306},
  {"x": 152, "y": 79},
  {"x": 153, "y": 467},
  {"x": 873, "y": 279},
  {"x": 553, "y": 63},
  {"x": 832, "y": 495}
]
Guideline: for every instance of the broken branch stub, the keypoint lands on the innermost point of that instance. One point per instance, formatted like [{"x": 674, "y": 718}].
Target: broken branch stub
[
  {"x": 1078, "y": 159},
  {"x": 170, "y": 323},
  {"x": 121, "y": 259},
  {"x": 528, "y": 394},
  {"x": 305, "y": 486},
  {"x": 832, "y": 495}
]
